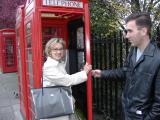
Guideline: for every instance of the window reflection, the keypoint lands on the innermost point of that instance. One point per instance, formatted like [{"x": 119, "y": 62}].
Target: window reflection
[
  {"x": 9, "y": 52},
  {"x": 29, "y": 52},
  {"x": 80, "y": 38}
]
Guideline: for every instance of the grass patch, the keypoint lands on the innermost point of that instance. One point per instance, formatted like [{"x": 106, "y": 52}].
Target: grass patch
[{"x": 80, "y": 114}]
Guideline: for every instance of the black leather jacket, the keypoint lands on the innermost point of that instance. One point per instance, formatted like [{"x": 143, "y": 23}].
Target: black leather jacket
[{"x": 141, "y": 94}]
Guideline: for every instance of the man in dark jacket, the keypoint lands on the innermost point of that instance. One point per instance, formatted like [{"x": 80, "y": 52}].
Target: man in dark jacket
[{"x": 141, "y": 71}]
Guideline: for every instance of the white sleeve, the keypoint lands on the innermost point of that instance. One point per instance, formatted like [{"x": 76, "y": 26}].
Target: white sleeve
[{"x": 54, "y": 76}]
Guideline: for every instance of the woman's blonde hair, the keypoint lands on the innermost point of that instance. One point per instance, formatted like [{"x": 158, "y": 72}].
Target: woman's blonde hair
[{"x": 51, "y": 42}]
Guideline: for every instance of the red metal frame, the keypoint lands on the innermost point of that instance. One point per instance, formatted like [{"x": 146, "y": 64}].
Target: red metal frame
[
  {"x": 21, "y": 61},
  {"x": 36, "y": 18},
  {"x": 8, "y": 62},
  {"x": 88, "y": 59}
]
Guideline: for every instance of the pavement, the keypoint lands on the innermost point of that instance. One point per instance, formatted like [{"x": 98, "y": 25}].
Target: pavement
[{"x": 9, "y": 98}]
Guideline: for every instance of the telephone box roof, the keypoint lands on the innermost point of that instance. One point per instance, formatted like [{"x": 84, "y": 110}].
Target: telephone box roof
[{"x": 58, "y": 9}]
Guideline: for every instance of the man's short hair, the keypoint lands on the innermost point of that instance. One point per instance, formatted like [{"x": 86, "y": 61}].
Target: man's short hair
[{"x": 142, "y": 20}]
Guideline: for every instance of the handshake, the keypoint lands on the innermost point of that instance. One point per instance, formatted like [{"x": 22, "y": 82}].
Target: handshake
[{"x": 95, "y": 73}]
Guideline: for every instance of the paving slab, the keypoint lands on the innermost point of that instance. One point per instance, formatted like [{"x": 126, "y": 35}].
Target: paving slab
[{"x": 9, "y": 103}]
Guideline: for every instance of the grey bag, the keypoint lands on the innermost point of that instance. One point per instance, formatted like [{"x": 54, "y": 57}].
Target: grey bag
[{"x": 50, "y": 102}]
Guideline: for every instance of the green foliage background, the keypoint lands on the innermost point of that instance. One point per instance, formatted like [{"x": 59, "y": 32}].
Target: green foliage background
[
  {"x": 107, "y": 16},
  {"x": 103, "y": 22}
]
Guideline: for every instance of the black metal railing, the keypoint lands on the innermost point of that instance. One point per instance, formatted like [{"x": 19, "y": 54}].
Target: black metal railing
[{"x": 108, "y": 53}]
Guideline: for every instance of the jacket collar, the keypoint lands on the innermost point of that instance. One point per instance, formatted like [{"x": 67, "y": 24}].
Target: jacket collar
[
  {"x": 52, "y": 61},
  {"x": 149, "y": 50}
]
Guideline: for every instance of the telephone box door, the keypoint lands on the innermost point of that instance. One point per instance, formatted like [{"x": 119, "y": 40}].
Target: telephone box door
[{"x": 77, "y": 58}]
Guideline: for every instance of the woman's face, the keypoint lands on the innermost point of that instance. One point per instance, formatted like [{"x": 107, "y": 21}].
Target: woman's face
[{"x": 57, "y": 51}]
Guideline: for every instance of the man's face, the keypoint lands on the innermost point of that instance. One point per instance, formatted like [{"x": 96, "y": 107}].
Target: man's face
[{"x": 134, "y": 33}]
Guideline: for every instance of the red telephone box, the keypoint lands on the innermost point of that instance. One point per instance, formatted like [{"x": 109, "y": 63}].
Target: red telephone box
[
  {"x": 42, "y": 20},
  {"x": 8, "y": 62}
]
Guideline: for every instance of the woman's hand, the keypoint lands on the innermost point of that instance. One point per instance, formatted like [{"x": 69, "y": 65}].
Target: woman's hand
[{"x": 87, "y": 67}]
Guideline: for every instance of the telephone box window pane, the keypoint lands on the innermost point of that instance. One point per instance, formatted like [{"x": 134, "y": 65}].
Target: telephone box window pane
[
  {"x": 81, "y": 60},
  {"x": 80, "y": 38},
  {"x": 9, "y": 52},
  {"x": 29, "y": 61},
  {"x": 29, "y": 42},
  {"x": 51, "y": 32},
  {"x": 29, "y": 49},
  {"x": 30, "y": 74},
  {"x": 29, "y": 52},
  {"x": 19, "y": 58},
  {"x": 28, "y": 28}
]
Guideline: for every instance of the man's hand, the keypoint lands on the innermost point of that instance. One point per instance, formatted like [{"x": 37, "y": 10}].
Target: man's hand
[{"x": 96, "y": 73}]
